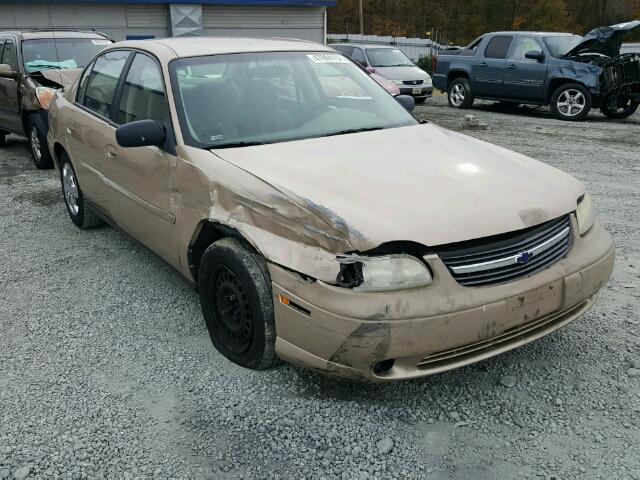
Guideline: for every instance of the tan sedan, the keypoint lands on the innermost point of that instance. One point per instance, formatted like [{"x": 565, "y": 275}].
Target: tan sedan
[{"x": 321, "y": 223}]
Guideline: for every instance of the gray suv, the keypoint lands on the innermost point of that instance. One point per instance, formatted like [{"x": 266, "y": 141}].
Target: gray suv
[
  {"x": 33, "y": 66},
  {"x": 392, "y": 64}
]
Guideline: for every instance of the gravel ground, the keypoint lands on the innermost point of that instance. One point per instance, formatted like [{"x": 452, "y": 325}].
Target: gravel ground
[{"x": 106, "y": 368}]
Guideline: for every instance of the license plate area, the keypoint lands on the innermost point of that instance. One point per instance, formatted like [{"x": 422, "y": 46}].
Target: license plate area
[
  {"x": 534, "y": 304},
  {"x": 416, "y": 90}
]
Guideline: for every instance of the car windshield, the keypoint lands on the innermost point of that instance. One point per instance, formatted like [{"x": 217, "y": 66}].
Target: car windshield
[
  {"x": 388, "y": 57},
  {"x": 561, "y": 45},
  {"x": 246, "y": 99},
  {"x": 61, "y": 53}
]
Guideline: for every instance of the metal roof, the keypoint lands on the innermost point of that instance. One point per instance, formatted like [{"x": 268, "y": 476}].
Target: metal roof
[{"x": 274, "y": 3}]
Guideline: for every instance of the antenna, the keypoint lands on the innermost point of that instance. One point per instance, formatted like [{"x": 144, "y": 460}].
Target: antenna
[{"x": 53, "y": 33}]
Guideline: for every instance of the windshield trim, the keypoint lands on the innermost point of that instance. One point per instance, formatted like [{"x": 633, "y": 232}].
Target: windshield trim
[{"x": 187, "y": 138}]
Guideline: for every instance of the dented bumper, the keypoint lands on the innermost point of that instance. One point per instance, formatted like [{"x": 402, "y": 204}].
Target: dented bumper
[{"x": 435, "y": 328}]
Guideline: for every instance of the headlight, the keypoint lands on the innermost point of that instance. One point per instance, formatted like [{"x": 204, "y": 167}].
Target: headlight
[
  {"x": 388, "y": 272},
  {"x": 45, "y": 95},
  {"x": 398, "y": 82},
  {"x": 584, "y": 213}
]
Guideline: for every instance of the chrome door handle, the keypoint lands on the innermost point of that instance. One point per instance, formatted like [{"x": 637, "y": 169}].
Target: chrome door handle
[
  {"x": 110, "y": 151},
  {"x": 512, "y": 66},
  {"x": 71, "y": 130},
  {"x": 483, "y": 64}
]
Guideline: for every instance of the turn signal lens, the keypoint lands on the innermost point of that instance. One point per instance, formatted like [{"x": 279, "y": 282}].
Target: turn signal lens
[{"x": 45, "y": 95}]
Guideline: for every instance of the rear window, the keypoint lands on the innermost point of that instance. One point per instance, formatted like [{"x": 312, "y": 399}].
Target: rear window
[{"x": 498, "y": 46}]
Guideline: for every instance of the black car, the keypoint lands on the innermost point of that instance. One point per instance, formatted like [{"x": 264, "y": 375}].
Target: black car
[{"x": 570, "y": 73}]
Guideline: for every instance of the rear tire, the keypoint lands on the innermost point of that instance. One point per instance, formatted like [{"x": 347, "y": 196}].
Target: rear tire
[
  {"x": 3, "y": 138},
  {"x": 460, "y": 94},
  {"x": 236, "y": 298},
  {"x": 623, "y": 110},
  {"x": 81, "y": 215},
  {"x": 571, "y": 102},
  {"x": 38, "y": 146}
]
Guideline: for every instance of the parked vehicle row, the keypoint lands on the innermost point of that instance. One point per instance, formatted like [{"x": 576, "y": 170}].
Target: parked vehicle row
[
  {"x": 570, "y": 73},
  {"x": 33, "y": 66},
  {"x": 320, "y": 222}
]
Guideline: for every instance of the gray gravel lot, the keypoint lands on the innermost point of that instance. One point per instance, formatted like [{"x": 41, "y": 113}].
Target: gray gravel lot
[{"x": 106, "y": 368}]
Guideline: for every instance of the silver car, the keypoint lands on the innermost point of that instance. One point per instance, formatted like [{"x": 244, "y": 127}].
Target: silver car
[{"x": 392, "y": 64}]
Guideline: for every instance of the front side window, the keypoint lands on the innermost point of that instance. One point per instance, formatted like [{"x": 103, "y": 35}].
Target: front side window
[
  {"x": 498, "y": 46},
  {"x": 270, "y": 97},
  {"x": 60, "y": 53},
  {"x": 143, "y": 94},
  {"x": 358, "y": 56},
  {"x": 560, "y": 45},
  {"x": 524, "y": 45},
  {"x": 9, "y": 56},
  {"x": 388, "y": 57},
  {"x": 102, "y": 81}
]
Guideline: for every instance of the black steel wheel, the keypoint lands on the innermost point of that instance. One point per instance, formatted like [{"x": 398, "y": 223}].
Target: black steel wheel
[{"x": 235, "y": 294}]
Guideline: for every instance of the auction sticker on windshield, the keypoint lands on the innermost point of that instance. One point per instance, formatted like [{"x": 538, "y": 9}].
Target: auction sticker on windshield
[{"x": 327, "y": 58}]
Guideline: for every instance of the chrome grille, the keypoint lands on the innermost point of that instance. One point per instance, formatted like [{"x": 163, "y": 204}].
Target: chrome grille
[{"x": 507, "y": 257}]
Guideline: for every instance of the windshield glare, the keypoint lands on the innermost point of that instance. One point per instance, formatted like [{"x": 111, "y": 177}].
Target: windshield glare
[
  {"x": 388, "y": 57},
  {"x": 561, "y": 45},
  {"x": 235, "y": 99},
  {"x": 60, "y": 53}
]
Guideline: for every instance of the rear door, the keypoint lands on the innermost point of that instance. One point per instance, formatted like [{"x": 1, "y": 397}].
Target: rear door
[
  {"x": 10, "y": 118},
  {"x": 89, "y": 128},
  {"x": 140, "y": 180},
  {"x": 525, "y": 77},
  {"x": 488, "y": 69}
]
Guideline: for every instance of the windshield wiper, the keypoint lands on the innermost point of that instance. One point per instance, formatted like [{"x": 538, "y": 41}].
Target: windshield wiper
[
  {"x": 236, "y": 144},
  {"x": 353, "y": 130}
]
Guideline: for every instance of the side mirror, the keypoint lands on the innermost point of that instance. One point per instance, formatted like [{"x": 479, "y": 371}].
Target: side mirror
[
  {"x": 143, "y": 133},
  {"x": 7, "y": 72},
  {"x": 534, "y": 55},
  {"x": 407, "y": 101},
  {"x": 370, "y": 70}
]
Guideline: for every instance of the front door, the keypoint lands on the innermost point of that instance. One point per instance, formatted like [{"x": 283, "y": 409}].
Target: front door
[
  {"x": 140, "y": 180},
  {"x": 10, "y": 119},
  {"x": 524, "y": 77},
  {"x": 488, "y": 70}
]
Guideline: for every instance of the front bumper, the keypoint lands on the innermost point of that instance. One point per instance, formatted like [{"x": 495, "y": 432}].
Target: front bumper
[
  {"x": 413, "y": 91},
  {"x": 435, "y": 328}
]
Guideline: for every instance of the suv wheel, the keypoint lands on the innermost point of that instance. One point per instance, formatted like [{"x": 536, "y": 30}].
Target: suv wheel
[
  {"x": 571, "y": 101},
  {"x": 622, "y": 109},
  {"x": 39, "y": 150},
  {"x": 460, "y": 94},
  {"x": 237, "y": 304},
  {"x": 79, "y": 212}
]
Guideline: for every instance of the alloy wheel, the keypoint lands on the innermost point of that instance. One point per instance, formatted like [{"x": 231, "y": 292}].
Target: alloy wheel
[
  {"x": 571, "y": 102},
  {"x": 457, "y": 94},
  {"x": 36, "y": 147},
  {"x": 70, "y": 189}
]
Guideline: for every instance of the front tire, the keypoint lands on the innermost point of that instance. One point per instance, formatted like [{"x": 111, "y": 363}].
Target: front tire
[
  {"x": 81, "y": 215},
  {"x": 624, "y": 109},
  {"x": 460, "y": 94},
  {"x": 571, "y": 102},
  {"x": 38, "y": 146},
  {"x": 235, "y": 294}
]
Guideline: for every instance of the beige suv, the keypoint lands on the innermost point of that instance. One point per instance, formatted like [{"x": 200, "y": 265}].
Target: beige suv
[
  {"x": 321, "y": 223},
  {"x": 33, "y": 66}
]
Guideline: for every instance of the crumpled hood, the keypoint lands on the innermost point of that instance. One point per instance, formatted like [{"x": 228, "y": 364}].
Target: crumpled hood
[
  {"x": 402, "y": 73},
  {"x": 420, "y": 183},
  {"x": 604, "y": 40},
  {"x": 63, "y": 77}
]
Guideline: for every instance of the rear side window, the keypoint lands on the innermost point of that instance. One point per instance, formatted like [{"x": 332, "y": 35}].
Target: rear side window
[
  {"x": 498, "y": 46},
  {"x": 103, "y": 80},
  {"x": 143, "y": 95},
  {"x": 9, "y": 55},
  {"x": 358, "y": 56}
]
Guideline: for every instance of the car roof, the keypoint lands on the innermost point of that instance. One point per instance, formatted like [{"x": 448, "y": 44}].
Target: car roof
[
  {"x": 200, "y": 46},
  {"x": 361, "y": 45},
  {"x": 513, "y": 32},
  {"x": 47, "y": 34}
]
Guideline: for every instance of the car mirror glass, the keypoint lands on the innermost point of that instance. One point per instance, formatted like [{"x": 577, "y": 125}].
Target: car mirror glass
[
  {"x": 534, "y": 55},
  {"x": 407, "y": 102}
]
